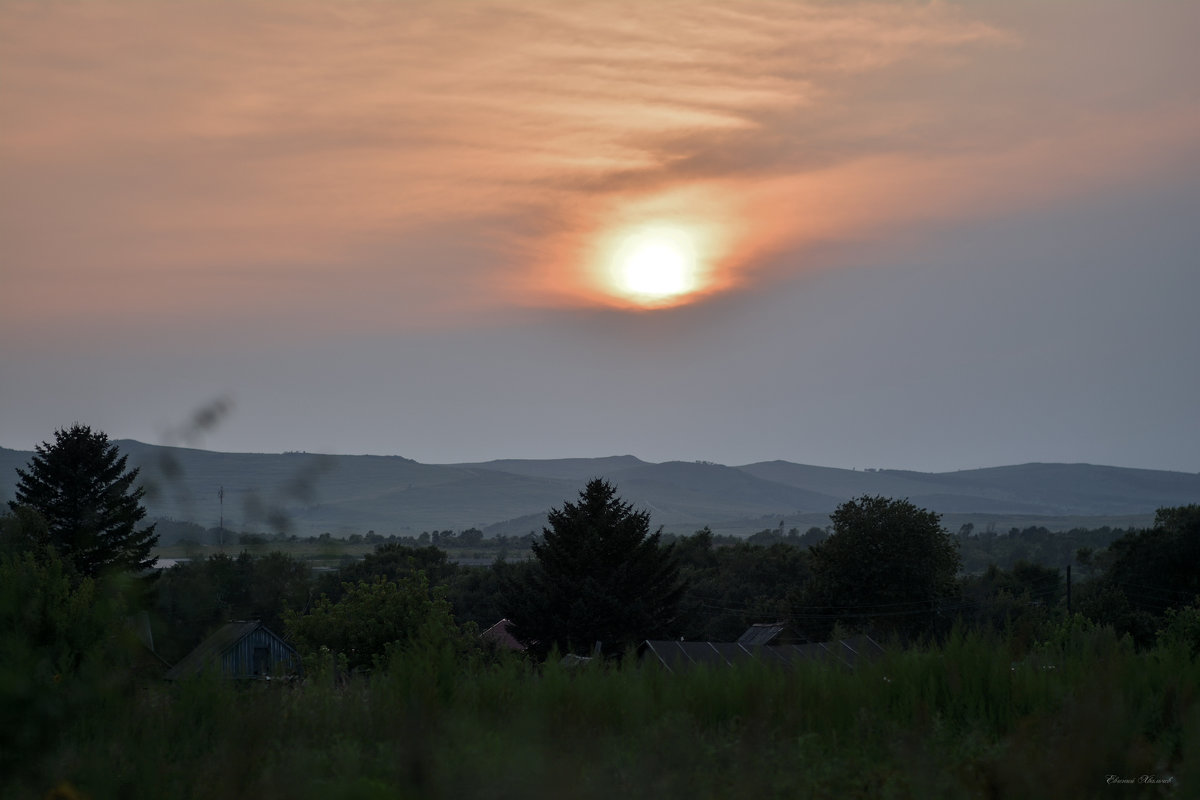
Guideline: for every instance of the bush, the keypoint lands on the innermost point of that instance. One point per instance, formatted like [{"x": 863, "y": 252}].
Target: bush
[
  {"x": 373, "y": 619},
  {"x": 1182, "y": 629},
  {"x": 64, "y": 645}
]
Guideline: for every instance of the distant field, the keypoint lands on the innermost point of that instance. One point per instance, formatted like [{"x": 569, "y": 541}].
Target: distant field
[{"x": 327, "y": 554}]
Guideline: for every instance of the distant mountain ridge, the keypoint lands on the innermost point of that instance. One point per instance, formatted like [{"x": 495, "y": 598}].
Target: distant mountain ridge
[{"x": 312, "y": 493}]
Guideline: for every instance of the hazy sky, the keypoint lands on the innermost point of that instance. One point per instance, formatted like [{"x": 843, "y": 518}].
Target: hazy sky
[{"x": 897, "y": 234}]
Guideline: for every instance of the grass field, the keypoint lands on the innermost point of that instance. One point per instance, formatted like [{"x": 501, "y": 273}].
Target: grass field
[{"x": 1073, "y": 718}]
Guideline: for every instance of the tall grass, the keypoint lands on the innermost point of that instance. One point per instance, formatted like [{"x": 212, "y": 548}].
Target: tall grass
[{"x": 960, "y": 719}]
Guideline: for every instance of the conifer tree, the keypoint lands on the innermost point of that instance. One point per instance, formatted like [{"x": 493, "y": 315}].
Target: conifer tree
[
  {"x": 599, "y": 576},
  {"x": 82, "y": 489}
]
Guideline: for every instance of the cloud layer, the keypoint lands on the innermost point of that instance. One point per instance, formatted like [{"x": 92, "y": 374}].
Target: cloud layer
[
  {"x": 932, "y": 234},
  {"x": 388, "y": 164}
]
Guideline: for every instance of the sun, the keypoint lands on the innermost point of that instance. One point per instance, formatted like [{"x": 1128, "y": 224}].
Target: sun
[
  {"x": 655, "y": 269},
  {"x": 654, "y": 264}
]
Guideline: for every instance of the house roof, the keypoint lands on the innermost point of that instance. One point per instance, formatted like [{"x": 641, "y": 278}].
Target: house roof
[
  {"x": 214, "y": 646},
  {"x": 682, "y": 655},
  {"x": 761, "y": 633},
  {"x": 501, "y": 635}
]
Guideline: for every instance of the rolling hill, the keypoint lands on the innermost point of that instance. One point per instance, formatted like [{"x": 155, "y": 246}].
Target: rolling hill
[{"x": 311, "y": 493}]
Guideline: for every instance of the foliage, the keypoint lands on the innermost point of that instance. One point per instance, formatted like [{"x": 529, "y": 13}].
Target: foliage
[
  {"x": 62, "y": 639},
  {"x": 1179, "y": 520},
  {"x": 194, "y": 598},
  {"x": 948, "y": 721},
  {"x": 729, "y": 588},
  {"x": 601, "y": 576},
  {"x": 1161, "y": 561},
  {"x": 372, "y": 618},
  {"x": 1150, "y": 573},
  {"x": 1034, "y": 544},
  {"x": 887, "y": 564},
  {"x": 1021, "y": 600},
  {"x": 24, "y": 530},
  {"x": 1023, "y": 701},
  {"x": 983, "y": 712},
  {"x": 392, "y": 561},
  {"x": 1181, "y": 628},
  {"x": 478, "y": 594},
  {"x": 82, "y": 489}
]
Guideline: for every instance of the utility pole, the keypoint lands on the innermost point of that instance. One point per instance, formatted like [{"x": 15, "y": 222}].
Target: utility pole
[
  {"x": 221, "y": 524},
  {"x": 1068, "y": 590}
]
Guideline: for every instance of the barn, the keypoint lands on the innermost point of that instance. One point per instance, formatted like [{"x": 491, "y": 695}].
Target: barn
[{"x": 246, "y": 650}]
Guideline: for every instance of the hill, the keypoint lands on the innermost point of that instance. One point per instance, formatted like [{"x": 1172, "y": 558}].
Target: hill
[{"x": 308, "y": 493}]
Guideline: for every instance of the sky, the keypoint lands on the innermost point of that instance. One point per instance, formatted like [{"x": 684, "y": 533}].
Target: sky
[{"x": 905, "y": 235}]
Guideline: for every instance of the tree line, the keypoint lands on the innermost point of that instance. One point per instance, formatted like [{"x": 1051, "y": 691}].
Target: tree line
[{"x": 598, "y": 576}]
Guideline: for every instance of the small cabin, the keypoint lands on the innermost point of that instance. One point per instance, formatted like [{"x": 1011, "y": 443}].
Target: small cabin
[{"x": 243, "y": 650}]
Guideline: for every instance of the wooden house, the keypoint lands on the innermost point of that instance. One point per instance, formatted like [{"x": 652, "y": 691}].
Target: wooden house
[{"x": 246, "y": 650}]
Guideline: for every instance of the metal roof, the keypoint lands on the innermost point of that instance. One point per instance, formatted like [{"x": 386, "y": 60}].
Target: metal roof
[
  {"x": 761, "y": 633},
  {"x": 681, "y": 655}
]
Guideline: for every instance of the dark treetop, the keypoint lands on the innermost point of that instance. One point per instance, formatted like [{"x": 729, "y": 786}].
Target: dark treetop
[
  {"x": 887, "y": 565},
  {"x": 600, "y": 576},
  {"x": 81, "y": 488}
]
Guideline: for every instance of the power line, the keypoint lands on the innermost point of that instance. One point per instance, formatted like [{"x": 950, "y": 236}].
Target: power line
[{"x": 928, "y": 607}]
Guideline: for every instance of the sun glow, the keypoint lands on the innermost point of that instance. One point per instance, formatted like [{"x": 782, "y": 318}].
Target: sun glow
[
  {"x": 661, "y": 250},
  {"x": 654, "y": 264}
]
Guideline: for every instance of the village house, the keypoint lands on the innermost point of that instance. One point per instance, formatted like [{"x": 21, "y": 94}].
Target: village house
[{"x": 244, "y": 650}]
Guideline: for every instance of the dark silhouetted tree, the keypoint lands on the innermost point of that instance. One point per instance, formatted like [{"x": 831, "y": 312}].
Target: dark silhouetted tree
[
  {"x": 599, "y": 576},
  {"x": 741, "y": 584},
  {"x": 888, "y": 565},
  {"x": 1149, "y": 572},
  {"x": 81, "y": 488}
]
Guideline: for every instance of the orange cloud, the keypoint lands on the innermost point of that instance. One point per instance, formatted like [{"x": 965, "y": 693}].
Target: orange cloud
[{"x": 391, "y": 164}]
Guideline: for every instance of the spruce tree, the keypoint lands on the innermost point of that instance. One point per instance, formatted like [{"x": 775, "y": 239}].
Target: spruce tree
[
  {"x": 599, "y": 576},
  {"x": 80, "y": 486}
]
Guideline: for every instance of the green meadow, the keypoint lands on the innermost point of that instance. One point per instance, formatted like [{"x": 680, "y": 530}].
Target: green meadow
[{"x": 978, "y": 715}]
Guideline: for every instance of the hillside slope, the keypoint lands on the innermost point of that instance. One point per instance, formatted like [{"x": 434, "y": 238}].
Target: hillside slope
[{"x": 311, "y": 493}]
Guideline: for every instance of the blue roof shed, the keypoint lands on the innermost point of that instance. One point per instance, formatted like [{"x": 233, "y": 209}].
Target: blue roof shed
[{"x": 244, "y": 649}]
